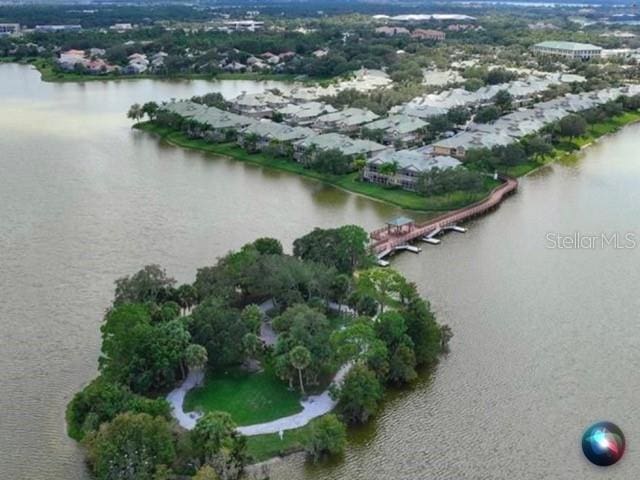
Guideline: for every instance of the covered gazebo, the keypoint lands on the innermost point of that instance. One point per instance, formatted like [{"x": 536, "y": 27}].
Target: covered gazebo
[{"x": 400, "y": 225}]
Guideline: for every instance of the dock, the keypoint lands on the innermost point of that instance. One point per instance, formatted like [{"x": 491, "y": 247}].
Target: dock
[
  {"x": 385, "y": 263},
  {"x": 399, "y": 232}
]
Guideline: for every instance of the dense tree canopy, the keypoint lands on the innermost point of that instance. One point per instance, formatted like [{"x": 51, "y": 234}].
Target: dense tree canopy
[
  {"x": 145, "y": 286},
  {"x": 155, "y": 333},
  {"x": 344, "y": 248},
  {"x": 359, "y": 395},
  {"x": 327, "y": 436},
  {"x": 101, "y": 401},
  {"x": 220, "y": 329},
  {"x": 140, "y": 354},
  {"x": 572, "y": 126},
  {"x": 131, "y": 447}
]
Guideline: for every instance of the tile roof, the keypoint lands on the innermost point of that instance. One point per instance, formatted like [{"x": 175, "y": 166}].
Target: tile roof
[
  {"x": 414, "y": 160},
  {"x": 348, "y": 146}
]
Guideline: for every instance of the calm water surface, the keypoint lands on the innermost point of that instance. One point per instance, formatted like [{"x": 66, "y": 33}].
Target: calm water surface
[{"x": 546, "y": 341}]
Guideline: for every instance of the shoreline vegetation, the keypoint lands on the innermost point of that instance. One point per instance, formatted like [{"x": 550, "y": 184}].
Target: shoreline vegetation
[
  {"x": 563, "y": 150},
  {"x": 156, "y": 333},
  {"x": 568, "y": 149},
  {"x": 49, "y": 74},
  {"x": 349, "y": 182}
]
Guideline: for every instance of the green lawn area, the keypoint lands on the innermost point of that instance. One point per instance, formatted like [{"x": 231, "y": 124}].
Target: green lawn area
[
  {"x": 248, "y": 397},
  {"x": 350, "y": 182},
  {"x": 264, "y": 447}
]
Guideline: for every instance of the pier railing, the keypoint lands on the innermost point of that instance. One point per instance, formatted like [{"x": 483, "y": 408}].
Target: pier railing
[{"x": 384, "y": 240}]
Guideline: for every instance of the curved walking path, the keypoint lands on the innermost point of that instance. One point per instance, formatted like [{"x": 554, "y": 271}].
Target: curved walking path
[
  {"x": 313, "y": 407},
  {"x": 176, "y": 400}
]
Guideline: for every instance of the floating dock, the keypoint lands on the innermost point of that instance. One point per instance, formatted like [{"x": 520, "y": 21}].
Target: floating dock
[
  {"x": 431, "y": 240},
  {"x": 399, "y": 232}
]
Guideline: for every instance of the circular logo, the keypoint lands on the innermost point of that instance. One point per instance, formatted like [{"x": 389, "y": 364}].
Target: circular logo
[{"x": 603, "y": 443}]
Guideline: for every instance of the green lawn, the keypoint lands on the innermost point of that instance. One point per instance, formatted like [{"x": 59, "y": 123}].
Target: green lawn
[
  {"x": 248, "y": 397},
  {"x": 264, "y": 447},
  {"x": 350, "y": 182}
]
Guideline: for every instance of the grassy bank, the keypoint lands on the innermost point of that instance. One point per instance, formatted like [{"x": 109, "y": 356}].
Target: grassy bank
[
  {"x": 264, "y": 447},
  {"x": 394, "y": 196},
  {"x": 248, "y": 397}
]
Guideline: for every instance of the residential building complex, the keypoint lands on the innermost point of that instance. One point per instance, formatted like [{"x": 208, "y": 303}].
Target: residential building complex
[
  {"x": 572, "y": 50},
  {"x": 347, "y": 120},
  {"x": 349, "y": 147},
  {"x": 512, "y": 127},
  {"x": 403, "y": 129},
  {"x": 406, "y": 166},
  {"x": 422, "y": 34}
]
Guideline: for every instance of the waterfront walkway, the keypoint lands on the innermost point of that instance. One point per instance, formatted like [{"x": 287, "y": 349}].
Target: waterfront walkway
[{"x": 386, "y": 239}]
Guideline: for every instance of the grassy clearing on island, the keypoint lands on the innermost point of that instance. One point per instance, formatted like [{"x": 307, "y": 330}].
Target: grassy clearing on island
[
  {"x": 395, "y": 196},
  {"x": 248, "y": 397},
  {"x": 263, "y": 447}
]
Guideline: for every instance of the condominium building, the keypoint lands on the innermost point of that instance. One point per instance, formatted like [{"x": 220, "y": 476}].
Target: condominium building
[
  {"x": 9, "y": 29},
  {"x": 573, "y": 50}
]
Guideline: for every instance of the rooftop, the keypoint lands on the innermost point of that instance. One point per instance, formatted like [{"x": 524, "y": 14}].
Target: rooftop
[
  {"x": 348, "y": 146},
  {"x": 400, "y": 221},
  {"x": 414, "y": 160},
  {"x": 278, "y": 131},
  {"x": 349, "y": 117},
  {"x": 397, "y": 123},
  {"x": 307, "y": 109},
  {"x": 567, "y": 45}
]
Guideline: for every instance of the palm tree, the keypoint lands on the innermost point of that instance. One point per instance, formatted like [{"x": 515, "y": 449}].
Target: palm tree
[
  {"x": 251, "y": 142},
  {"x": 300, "y": 359},
  {"x": 389, "y": 168},
  {"x": 135, "y": 112},
  {"x": 252, "y": 345},
  {"x": 196, "y": 357},
  {"x": 187, "y": 297},
  {"x": 359, "y": 163}
]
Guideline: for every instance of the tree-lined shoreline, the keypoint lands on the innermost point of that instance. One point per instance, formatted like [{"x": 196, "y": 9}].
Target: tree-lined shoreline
[{"x": 156, "y": 332}]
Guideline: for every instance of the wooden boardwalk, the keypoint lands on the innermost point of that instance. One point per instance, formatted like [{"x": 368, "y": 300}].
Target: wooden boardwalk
[{"x": 386, "y": 240}]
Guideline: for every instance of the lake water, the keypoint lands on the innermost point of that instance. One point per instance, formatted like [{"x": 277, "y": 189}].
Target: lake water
[{"x": 546, "y": 340}]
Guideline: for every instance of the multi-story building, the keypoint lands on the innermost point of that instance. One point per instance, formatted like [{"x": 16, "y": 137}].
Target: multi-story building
[
  {"x": 347, "y": 120},
  {"x": 428, "y": 34},
  {"x": 573, "y": 50},
  {"x": 305, "y": 113},
  {"x": 306, "y": 149},
  {"x": 57, "y": 28},
  {"x": 9, "y": 29},
  {"x": 258, "y": 104},
  {"x": 403, "y": 129},
  {"x": 402, "y": 168},
  {"x": 268, "y": 133}
]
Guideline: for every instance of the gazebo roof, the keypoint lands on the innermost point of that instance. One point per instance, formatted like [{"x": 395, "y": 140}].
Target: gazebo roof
[{"x": 400, "y": 221}]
